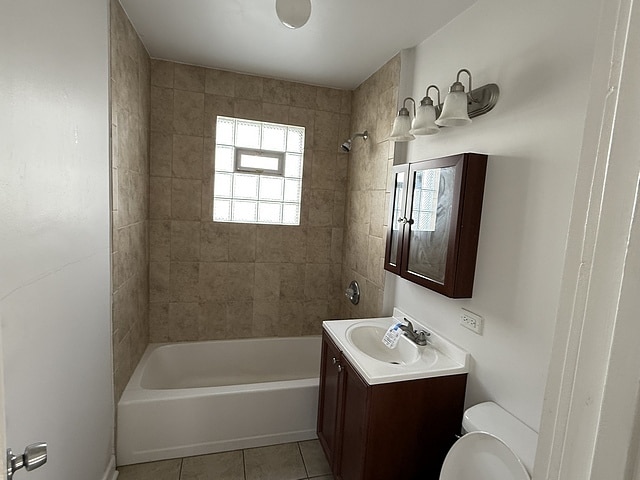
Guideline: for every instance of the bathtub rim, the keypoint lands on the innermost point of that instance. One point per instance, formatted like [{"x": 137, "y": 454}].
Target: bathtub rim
[{"x": 135, "y": 392}]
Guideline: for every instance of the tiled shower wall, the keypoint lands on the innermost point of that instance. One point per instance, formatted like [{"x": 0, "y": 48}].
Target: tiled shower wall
[
  {"x": 130, "y": 195},
  {"x": 374, "y": 109},
  {"x": 220, "y": 280}
]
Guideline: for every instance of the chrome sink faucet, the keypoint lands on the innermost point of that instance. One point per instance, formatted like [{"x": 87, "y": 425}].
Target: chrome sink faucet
[{"x": 419, "y": 338}]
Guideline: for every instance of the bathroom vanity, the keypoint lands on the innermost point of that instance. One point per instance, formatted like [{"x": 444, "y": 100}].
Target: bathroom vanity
[{"x": 381, "y": 417}]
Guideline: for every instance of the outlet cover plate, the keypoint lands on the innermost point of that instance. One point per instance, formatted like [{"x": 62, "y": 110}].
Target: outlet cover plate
[{"x": 472, "y": 321}]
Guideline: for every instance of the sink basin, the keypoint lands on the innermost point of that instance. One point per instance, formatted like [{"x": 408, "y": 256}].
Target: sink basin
[{"x": 368, "y": 339}]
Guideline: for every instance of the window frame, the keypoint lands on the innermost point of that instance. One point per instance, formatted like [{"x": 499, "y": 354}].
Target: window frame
[
  {"x": 239, "y": 151},
  {"x": 233, "y": 169}
]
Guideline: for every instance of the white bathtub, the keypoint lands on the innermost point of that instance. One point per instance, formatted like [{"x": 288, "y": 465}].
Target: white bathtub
[{"x": 204, "y": 397}]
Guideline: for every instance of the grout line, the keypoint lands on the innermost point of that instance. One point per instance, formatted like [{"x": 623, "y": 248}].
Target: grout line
[
  {"x": 306, "y": 470},
  {"x": 180, "y": 470},
  {"x": 244, "y": 466}
]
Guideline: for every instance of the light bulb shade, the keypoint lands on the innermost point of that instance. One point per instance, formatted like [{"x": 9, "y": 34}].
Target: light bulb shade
[
  {"x": 454, "y": 112},
  {"x": 293, "y": 13},
  {"x": 424, "y": 123},
  {"x": 401, "y": 127}
]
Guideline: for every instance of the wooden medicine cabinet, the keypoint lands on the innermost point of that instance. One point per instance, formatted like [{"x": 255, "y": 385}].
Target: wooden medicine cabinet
[{"x": 434, "y": 222}]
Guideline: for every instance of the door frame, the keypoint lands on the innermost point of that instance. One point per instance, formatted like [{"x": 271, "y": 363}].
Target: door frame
[{"x": 589, "y": 426}]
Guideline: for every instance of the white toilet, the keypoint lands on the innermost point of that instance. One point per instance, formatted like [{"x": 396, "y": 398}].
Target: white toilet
[{"x": 497, "y": 446}]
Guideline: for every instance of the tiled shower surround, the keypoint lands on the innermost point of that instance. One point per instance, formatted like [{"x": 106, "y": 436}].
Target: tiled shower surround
[
  {"x": 222, "y": 280},
  {"x": 177, "y": 275},
  {"x": 130, "y": 196},
  {"x": 374, "y": 109}
]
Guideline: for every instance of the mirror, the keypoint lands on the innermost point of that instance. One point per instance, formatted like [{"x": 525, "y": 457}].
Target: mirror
[{"x": 434, "y": 222}]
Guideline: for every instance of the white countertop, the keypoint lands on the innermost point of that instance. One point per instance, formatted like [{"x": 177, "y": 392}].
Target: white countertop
[{"x": 449, "y": 359}]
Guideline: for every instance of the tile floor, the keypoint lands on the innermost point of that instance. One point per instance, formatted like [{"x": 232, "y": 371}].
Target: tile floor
[{"x": 289, "y": 461}]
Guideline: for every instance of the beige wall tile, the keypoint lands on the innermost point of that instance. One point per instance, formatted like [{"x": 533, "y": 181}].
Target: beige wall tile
[
  {"x": 329, "y": 99},
  {"x": 214, "y": 242},
  {"x": 162, "y": 73},
  {"x": 246, "y": 280},
  {"x": 326, "y": 131},
  {"x": 268, "y": 244},
  {"x": 212, "y": 322},
  {"x": 159, "y": 198},
  {"x": 183, "y": 325},
  {"x": 249, "y": 87},
  {"x": 131, "y": 112},
  {"x": 188, "y": 113},
  {"x": 319, "y": 245},
  {"x": 248, "y": 109},
  {"x": 185, "y": 241},
  {"x": 161, "y": 153},
  {"x": 276, "y": 91},
  {"x": 184, "y": 282},
  {"x": 240, "y": 281},
  {"x": 187, "y": 156},
  {"x": 242, "y": 242},
  {"x": 240, "y": 318},
  {"x": 186, "y": 199},
  {"x": 272, "y": 112},
  {"x": 294, "y": 244},
  {"x": 315, "y": 312},
  {"x": 159, "y": 322},
  {"x": 161, "y": 109},
  {"x": 266, "y": 316},
  {"x": 215, "y": 105},
  {"x": 219, "y": 82},
  {"x": 213, "y": 283},
  {"x": 292, "y": 277},
  {"x": 304, "y": 96},
  {"x": 267, "y": 282},
  {"x": 159, "y": 240},
  {"x": 323, "y": 170},
  {"x": 316, "y": 282},
  {"x": 159, "y": 282},
  {"x": 189, "y": 78},
  {"x": 321, "y": 208},
  {"x": 291, "y": 319}
]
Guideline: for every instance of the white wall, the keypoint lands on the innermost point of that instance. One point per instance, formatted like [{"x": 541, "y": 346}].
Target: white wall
[
  {"x": 54, "y": 234},
  {"x": 540, "y": 54}
]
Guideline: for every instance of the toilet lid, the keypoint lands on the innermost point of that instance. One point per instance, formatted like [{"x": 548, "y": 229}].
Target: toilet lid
[{"x": 482, "y": 456}]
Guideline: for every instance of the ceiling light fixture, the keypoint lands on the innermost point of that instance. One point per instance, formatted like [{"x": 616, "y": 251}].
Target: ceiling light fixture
[
  {"x": 458, "y": 109},
  {"x": 293, "y": 13}
]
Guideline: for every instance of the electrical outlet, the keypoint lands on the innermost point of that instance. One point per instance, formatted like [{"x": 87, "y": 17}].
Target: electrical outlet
[{"x": 471, "y": 321}]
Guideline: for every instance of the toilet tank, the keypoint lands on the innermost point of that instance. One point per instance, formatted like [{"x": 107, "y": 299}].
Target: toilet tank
[{"x": 491, "y": 418}]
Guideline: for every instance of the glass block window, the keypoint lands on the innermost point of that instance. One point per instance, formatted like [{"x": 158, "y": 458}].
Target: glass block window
[{"x": 258, "y": 172}]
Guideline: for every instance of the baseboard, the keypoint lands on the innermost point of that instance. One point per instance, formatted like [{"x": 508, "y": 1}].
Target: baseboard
[{"x": 111, "y": 473}]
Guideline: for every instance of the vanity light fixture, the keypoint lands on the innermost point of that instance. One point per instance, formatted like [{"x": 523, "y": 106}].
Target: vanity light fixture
[
  {"x": 458, "y": 109},
  {"x": 402, "y": 123},
  {"x": 293, "y": 13},
  {"x": 424, "y": 123}
]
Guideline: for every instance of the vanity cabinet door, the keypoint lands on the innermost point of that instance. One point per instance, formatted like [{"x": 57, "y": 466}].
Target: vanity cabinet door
[
  {"x": 354, "y": 425},
  {"x": 329, "y": 403},
  {"x": 397, "y": 220}
]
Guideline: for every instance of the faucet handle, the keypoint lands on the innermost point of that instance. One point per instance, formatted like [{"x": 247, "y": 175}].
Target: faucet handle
[
  {"x": 409, "y": 324},
  {"x": 422, "y": 338}
]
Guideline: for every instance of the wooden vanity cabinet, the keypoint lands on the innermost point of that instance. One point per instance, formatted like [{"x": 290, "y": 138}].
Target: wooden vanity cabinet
[
  {"x": 434, "y": 222},
  {"x": 401, "y": 430}
]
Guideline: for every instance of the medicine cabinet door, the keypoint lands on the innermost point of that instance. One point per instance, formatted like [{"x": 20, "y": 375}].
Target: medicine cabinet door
[{"x": 397, "y": 219}]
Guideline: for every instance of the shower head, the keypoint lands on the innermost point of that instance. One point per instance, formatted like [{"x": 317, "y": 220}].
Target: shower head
[{"x": 346, "y": 146}]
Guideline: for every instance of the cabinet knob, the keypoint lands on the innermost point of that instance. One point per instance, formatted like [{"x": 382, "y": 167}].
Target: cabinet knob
[
  {"x": 340, "y": 368},
  {"x": 402, "y": 220},
  {"x": 334, "y": 360}
]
